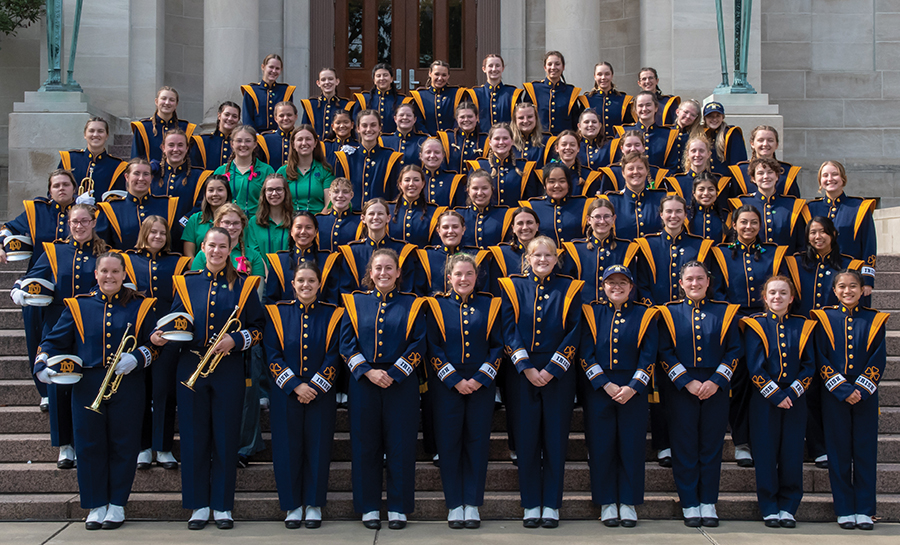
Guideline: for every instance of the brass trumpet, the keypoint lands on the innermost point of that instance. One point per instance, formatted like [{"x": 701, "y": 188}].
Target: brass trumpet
[
  {"x": 111, "y": 369},
  {"x": 210, "y": 361},
  {"x": 87, "y": 183}
]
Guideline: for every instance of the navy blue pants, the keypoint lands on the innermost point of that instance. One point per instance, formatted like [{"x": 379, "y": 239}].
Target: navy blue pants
[
  {"x": 33, "y": 318},
  {"x": 508, "y": 382},
  {"x": 697, "y": 431},
  {"x": 60, "y": 395},
  {"x": 108, "y": 443},
  {"x": 815, "y": 429},
  {"x": 543, "y": 418},
  {"x": 659, "y": 425},
  {"x": 851, "y": 441},
  {"x": 777, "y": 436},
  {"x": 462, "y": 425},
  {"x": 384, "y": 421},
  {"x": 302, "y": 435},
  {"x": 209, "y": 421},
  {"x": 739, "y": 405},
  {"x": 616, "y": 437},
  {"x": 164, "y": 399}
]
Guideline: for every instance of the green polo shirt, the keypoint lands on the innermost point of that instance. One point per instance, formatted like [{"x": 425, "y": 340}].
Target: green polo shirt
[{"x": 308, "y": 190}]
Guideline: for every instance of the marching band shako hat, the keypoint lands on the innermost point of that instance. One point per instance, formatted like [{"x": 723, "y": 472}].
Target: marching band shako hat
[
  {"x": 38, "y": 292},
  {"x": 18, "y": 247},
  {"x": 68, "y": 369},
  {"x": 177, "y": 326}
]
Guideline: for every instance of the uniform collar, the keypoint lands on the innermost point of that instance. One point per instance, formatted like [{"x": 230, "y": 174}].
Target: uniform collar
[
  {"x": 601, "y": 243},
  {"x": 64, "y": 208},
  {"x": 409, "y": 204},
  {"x": 437, "y": 91},
  {"x": 96, "y": 157},
  {"x": 307, "y": 308},
  {"x": 377, "y": 147},
  {"x": 557, "y": 202},
  {"x": 302, "y": 252},
  {"x": 850, "y": 311},
  {"x": 537, "y": 279},
  {"x": 631, "y": 194},
  {"x": 823, "y": 257},
  {"x": 677, "y": 238},
  {"x": 557, "y": 84},
  {"x": 625, "y": 306},
  {"x": 135, "y": 198},
  {"x": 759, "y": 195},
  {"x": 774, "y": 317},
  {"x": 460, "y": 299},
  {"x": 384, "y": 296},
  {"x": 377, "y": 92},
  {"x": 337, "y": 214},
  {"x": 493, "y": 88},
  {"x": 645, "y": 128},
  {"x": 283, "y": 134},
  {"x": 161, "y": 121},
  {"x": 321, "y": 98},
  {"x": 176, "y": 170},
  {"x": 697, "y": 304},
  {"x": 109, "y": 298},
  {"x": 432, "y": 173},
  {"x": 268, "y": 86},
  {"x": 838, "y": 200},
  {"x": 449, "y": 250},
  {"x": 81, "y": 245},
  {"x": 477, "y": 210},
  {"x": 378, "y": 244},
  {"x": 510, "y": 159},
  {"x": 215, "y": 276},
  {"x": 145, "y": 252}
]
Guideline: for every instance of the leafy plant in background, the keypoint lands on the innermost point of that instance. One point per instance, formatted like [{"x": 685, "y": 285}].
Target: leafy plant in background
[{"x": 16, "y": 14}]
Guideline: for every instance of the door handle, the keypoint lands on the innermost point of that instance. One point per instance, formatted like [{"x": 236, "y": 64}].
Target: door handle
[
  {"x": 398, "y": 81},
  {"x": 412, "y": 79}
]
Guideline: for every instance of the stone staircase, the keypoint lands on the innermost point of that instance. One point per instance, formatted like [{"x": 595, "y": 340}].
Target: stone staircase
[{"x": 32, "y": 488}]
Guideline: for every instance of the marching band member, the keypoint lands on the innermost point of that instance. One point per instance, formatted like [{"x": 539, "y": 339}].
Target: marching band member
[
  {"x": 405, "y": 139},
  {"x": 341, "y": 137},
  {"x": 648, "y": 80},
  {"x": 604, "y": 98},
  {"x": 512, "y": 181},
  {"x": 659, "y": 139},
  {"x": 148, "y": 132},
  {"x": 210, "y": 151},
  {"x": 699, "y": 348},
  {"x": 728, "y": 140},
  {"x": 307, "y": 172},
  {"x": 319, "y": 111},
  {"x": 696, "y": 161},
  {"x": 176, "y": 177},
  {"x": 302, "y": 412},
  {"x": 119, "y": 218},
  {"x": 785, "y": 214},
  {"x": 282, "y": 265},
  {"x": 384, "y": 390},
  {"x": 442, "y": 187},
  {"x": 437, "y": 101},
  {"x": 495, "y": 100},
  {"x": 542, "y": 327},
  {"x": 486, "y": 224},
  {"x": 555, "y": 99},
  {"x": 413, "y": 218},
  {"x": 371, "y": 167},
  {"x": 780, "y": 359},
  {"x": 338, "y": 224},
  {"x": 637, "y": 205},
  {"x": 851, "y": 374},
  {"x": 244, "y": 171},
  {"x": 151, "y": 268},
  {"x": 269, "y": 230},
  {"x": 383, "y": 98},
  {"x": 108, "y": 436},
  {"x": 595, "y": 149},
  {"x": 563, "y": 214},
  {"x": 565, "y": 149},
  {"x": 466, "y": 142},
  {"x": 275, "y": 145},
  {"x": 462, "y": 385},
  {"x": 509, "y": 257},
  {"x": 528, "y": 135},
  {"x": 613, "y": 178},
  {"x": 599, "y": 250},
  {"x": 260, "y": 98},
  {"x": 433, "y": 259},
  {"x": 707, "y": 217},
  {"x": 216, "y": 191},
  {"x": 615, "y": 405},
  {"x": 209, "y": 413},
  {"x": 94, "y": 161},
  {"x": 764, "y": 143},
  {"x": 245, "y": 259},
  {"x": 687, "y": 121}
]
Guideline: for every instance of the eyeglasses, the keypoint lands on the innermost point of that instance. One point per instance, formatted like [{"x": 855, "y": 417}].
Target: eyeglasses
[
  {"x": 80, "y": 222},
  {"x": 604, "y": 217},
  {"x": 227, "y": 224},
  {"x": 274, "y": 190}
]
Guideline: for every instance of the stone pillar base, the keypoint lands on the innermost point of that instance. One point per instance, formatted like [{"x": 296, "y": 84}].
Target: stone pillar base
[
  {"x": 887, "y": 227},
  {"x": 748, "y": 112},
  {"x": 38, "y": 128}
]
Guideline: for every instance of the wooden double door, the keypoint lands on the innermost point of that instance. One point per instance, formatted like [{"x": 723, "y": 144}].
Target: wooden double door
[{"x": 408, "y": 35}]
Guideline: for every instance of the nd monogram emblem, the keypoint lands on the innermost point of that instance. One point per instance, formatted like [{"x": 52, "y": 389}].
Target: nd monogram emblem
[
  {"x": 34, "y": 289},
  {"x": 758, "y": 381},
  {"x": 181, "y": 324},
  {"x": 15, "y": 244},
  {"x": 329, "y": 373},
  {"x": 66, "y": 366},
  {"x": 570, "y": 352},
  {"x": 275, "y": 369}
]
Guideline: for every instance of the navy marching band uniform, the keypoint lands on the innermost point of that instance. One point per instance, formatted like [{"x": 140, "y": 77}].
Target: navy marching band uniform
[
  {"x": 258, "y": 108},
  {"x": 119, "y": 219},
  {"x": 409, "y": 145},
  {"x": 614, "y": 180},
  {"x": 356, "y": 256},
  {"x": 512, "y": 181},
  {"x": 780, "y": 360},
  {"x": 433, "y": 259},
  {"x": 660, "y": 141},
  {"x": 464, "y": 342},
  {"x": 561, "y": 219},
  {"x": 373, "y": 173},
  {"x": 383, "y": 421},
  {"x": 281, "y": 266},
  {"x": 302, "y": 434},
  {"x": 735, "y": 152},
  {"x": 495, "y": 103},
  {"x": 786, "y": 184},
  {"x": 710, "y": 222},
  {"x": 181, "y": 182},
  {"x": 589, "y": 257},
  {"x": 852, "y": 217},
  {"x": 485, "y": 227},
  {"x": 384, "y": 102},
  {"x": 461, "y": 147},
  {"x": 613, "y": 107},
  {"x": 337, "y": 228},
  {"x": 148, "y": 135},
  {"x": 660, "y": 259},
  {"x": 210, "y": 151},
  {"x": 555, "y": 104},
  {"x": 436, "y": 108},
  {"x": 108, "y": 172},
  {"x": 616, "y": 433},
  {"x": 107, "y": 444},
  {"x": 209, "y": 416},
  {"x": 637, "y": 214},
  {"x": 541, "y": 330},
  {"x": 414, "y": 222},
  {"x": 683, "y": 185},
  {"x": 784, "y": 218},
  {"x": 320, "y": 111},
  {"x": 698, "y": 341},
  {"x": 595, "y": 153},
  {"x": 444, "y": 187},
  {"x": 275, "y": 145},
  {"x": 851, "y": 433}
]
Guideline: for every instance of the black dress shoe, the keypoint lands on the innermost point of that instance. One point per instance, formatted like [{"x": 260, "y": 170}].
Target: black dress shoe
[
  {"x": 242, "y": 462},
  {"x": 93, "y": 525},
  {"x": 65, "y": 463},
  {"x": 849, "y": 525},
  {"x": 550, "y": 523},
  {"x": 629, "y": 523},
  {"x": 225, "y": 524},
  {"x": 745, "y": 462},
  {"x": 865, "y": 525},
  {"x": 397, "y": 524},
  {"x": 456, "y": 524},
  {"x": 293, "y": 524},
  {"x": 197, "y": 524},
  {"x": 372, "y": 524},
  {"x": 531, "y": 523},
  {"x": 610, "y": 523},
  {"x": 168, "y": 465},
  {"x": 787, "y": 523},
  {"x": 772, "y": 523},
  {"x": 692, "y": 522},
  {"x": 822, "y": 465},
  {"x": 473, "y": 524},
  {"x": 142, "y": 466},
  {"x": 112, "y": 525},
  {"x": 665, "y": 461},
  {"x": 709, "y": 522},
  {"x": 314, "y": 524}
]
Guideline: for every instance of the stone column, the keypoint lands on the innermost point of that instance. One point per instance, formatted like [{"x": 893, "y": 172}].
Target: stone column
[
  {"x": 512, "y": 40},
  {"x": 296, "y": 48},
  {"x": 571, "y": 28},
  {"x": 230, "y": 52}
]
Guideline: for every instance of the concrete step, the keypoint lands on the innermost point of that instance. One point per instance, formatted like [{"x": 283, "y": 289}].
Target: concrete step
[
  {"x": 883, "y": 298},
  {"x": 816, "y": 507},
  {"x": 10, "y": 318},
  {"x": 892, "y": 370},
  {"x": 12, "y": 341},
  {"x": 887, "y": 280},
  {"x": 15, "y": 368},
  {"x": 501, "y": 476},
  {"x": 888, "y": 263},
  {"x": 35, "y": 447}
]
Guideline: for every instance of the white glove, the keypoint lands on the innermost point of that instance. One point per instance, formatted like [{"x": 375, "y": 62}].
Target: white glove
[
  {"x": 44, "y": 375},
  {"x": 86, "y": 198},
  {"x": 18, "y": 296},
  {"x": 127, "y": 363}
]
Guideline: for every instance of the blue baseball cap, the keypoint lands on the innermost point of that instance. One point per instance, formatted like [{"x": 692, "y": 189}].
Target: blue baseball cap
[
  {"x": 617, "y": 269},
  {"x": 713, "y": 107}
]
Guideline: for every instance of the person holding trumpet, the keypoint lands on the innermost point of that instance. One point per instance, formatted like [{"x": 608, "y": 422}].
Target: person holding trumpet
[
  {"x": 107, "y": 332},
  {"x": 223, "y": 311}
]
